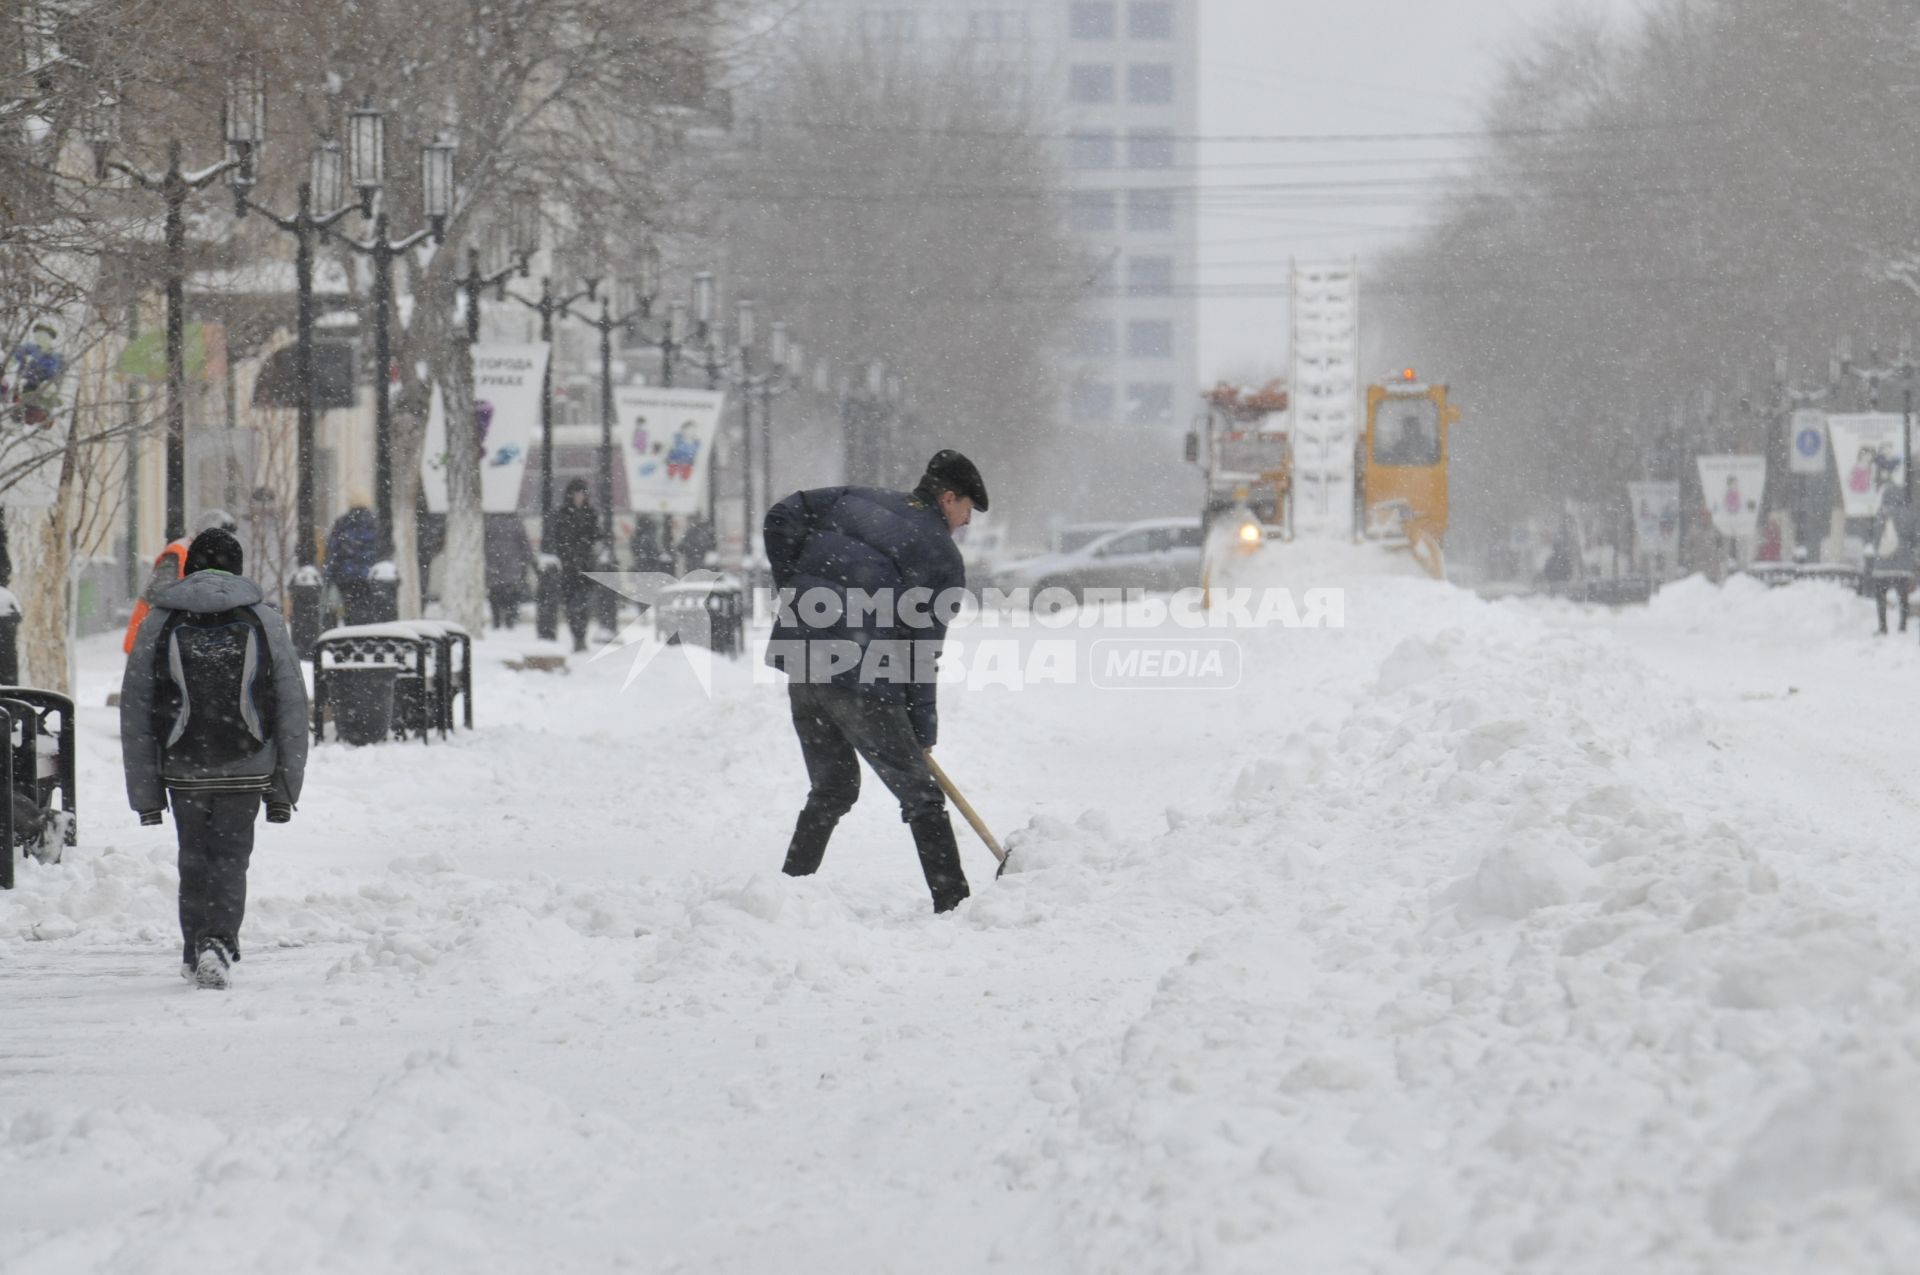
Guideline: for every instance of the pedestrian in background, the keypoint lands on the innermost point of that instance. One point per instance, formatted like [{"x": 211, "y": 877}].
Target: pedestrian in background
[
  {"x": 213, "y": 722},
  {"x": 353, "y": 547},
  {"x": 509, "y": 562},
  {"x": 570, "y": 534},
  {"x": 170, "y": 566}
]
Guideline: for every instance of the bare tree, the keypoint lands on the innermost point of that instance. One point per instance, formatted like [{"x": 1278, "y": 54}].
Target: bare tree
[
  {"x": 910, "y": 210},
  {"x": 1656, "y": 213}
]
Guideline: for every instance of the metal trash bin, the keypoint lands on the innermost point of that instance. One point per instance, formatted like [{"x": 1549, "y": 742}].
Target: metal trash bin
[
  {"x": 546, "y": 606},
  {"x": 308, "y": 590},
  {"x": 361, "y": 700},
  {"x": 383, "y": 594}
]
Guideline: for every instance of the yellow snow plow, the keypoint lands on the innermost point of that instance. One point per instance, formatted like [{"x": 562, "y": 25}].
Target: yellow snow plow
[
  {"x": 1403, "y": 469},
  {"x": 1266, "y": 499}
]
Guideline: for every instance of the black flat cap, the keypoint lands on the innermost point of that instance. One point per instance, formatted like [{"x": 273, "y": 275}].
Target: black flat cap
[{"x": 950, "y": 469}]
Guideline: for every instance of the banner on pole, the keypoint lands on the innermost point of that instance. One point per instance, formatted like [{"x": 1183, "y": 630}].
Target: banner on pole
[
  {"x": 1733, "y": 487},
  {"x": 506, "y": 403},
  {"x": 1807, "y": 443},
  {"x": 1866, "y": 449},
  {"x": 1656, "y": 520},
  {"x": 666, "y": 442}
]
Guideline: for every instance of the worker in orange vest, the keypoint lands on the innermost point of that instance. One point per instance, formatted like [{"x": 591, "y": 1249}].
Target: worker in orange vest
[{"x": 171, "y": 565}]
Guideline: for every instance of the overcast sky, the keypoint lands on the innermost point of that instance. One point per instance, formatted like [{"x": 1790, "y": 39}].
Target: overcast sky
[{"x": 1318, "y": 67}]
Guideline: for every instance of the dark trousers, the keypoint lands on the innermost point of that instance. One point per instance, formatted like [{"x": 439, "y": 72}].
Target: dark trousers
[
  {"x": 579, "y": 603},
  {"x": 216, "y": 843},
  {"x": 506, "y": 607},
  {"x": 837, "y": 726},
  {"x": 1880, "y": 588}
]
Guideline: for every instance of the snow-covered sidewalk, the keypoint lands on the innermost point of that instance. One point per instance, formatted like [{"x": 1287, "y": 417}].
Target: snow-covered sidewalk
[{"x": 1467, "y": 937}]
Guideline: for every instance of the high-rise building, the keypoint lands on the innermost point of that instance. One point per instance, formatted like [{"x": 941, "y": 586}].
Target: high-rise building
[{"x": 1120, "y": 79}]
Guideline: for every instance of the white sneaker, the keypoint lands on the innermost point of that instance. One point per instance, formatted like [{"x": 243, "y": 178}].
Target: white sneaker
[{"x": 211, "y": 969}]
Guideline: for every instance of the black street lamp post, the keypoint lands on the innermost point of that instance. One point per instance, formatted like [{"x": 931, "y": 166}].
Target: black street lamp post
[
  {"x": 547, "y": 307},
  {"x": 175, "y": 186},
  {"x": 740, "y": 374},
  {"x": 323, "y": 187},
  {"x": 635, "y": 306},
  {"x": 368, "y": 159}
]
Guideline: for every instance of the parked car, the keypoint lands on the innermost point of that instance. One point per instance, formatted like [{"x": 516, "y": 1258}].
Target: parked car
[{"x": 1159, "y": 554}]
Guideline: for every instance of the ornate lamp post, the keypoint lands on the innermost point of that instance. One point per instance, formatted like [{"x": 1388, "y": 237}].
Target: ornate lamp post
[
  {"x": 323, "y": 188},
  {"x": 245, "y": 127},
  {"x": 367, "y": 161}
]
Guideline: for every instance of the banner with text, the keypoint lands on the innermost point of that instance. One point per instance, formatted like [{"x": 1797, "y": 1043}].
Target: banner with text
[
  {"x": 1866, "y": 448},
  {"x": 1733, "y": 487},
  {"x": 666, "y": 440},
  {"x": 506, "y": 405}
]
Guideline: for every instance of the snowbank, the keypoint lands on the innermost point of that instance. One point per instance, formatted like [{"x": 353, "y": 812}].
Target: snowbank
[{"x": 1465, "y": 937}]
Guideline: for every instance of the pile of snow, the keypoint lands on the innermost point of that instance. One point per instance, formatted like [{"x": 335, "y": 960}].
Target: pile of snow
[{"x": 1465, "y": 937}]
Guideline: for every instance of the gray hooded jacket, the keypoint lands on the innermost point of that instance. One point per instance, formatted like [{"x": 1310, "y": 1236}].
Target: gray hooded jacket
[{"x": 278, "y": 765}]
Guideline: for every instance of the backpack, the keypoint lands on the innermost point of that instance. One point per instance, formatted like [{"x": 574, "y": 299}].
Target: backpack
[{"x": 217, "y": 685}]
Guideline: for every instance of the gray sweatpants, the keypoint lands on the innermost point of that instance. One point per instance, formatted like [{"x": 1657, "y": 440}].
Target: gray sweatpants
[{"x": 216, "y": 843}]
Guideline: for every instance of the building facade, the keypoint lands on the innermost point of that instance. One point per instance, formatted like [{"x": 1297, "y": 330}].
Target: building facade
[{"x": 1120, "y": 80}]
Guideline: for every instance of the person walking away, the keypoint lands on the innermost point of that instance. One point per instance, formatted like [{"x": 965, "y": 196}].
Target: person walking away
[
  {"x": 213, "y": 721},
  {"x": 353, "y": 547},
  {"x": 170, "y": 566},
  {"x": 570, "y": 535},
  {"x": 833, "y": 541},
  {"x": 698, "y": 544},
  {"x": 644, "y": 546},
  {"x": 1894, "y": 560},
  {"x": 509, "y": 561}
]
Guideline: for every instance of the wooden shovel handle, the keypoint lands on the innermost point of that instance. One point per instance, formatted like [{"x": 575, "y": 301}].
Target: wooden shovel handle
[{"x": 953, "y": 795}]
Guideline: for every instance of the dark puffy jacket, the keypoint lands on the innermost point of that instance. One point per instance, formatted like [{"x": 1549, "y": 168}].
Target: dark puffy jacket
[
  {"x": 353, "y": 546},
  {"x": 843, "y": 539},
  {"x": 509, "y": 556},
  {"x": 570, "y": 533},
  {"x": 208, "y": 737}
]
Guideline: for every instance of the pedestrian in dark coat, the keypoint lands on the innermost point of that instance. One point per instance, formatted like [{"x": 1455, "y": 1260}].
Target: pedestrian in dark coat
[
  {"x": 353, "y": 549},
  {"x": 571, "y": 533},
  {"x": 213, "y": 722},
  {"x": 509, "y": 561},
  {"x": 860, "y": 678}
]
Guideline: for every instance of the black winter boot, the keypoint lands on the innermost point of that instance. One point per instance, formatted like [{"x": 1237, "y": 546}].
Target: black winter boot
[
  {"x": 940, "y": 860},
  {"x": 809, "y": 844}
]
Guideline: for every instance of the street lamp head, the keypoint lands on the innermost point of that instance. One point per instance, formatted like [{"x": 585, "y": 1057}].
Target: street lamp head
[
  {"x": 677, "y": 322},
  {"x": 246, "y": 127},
  {"x": 876, "y": 378},
  {"x": 649, "y": 281},
  {"x": 777, "y": 342},
  {"x": 324, "y": 175},
  {"x": 822, "y": 376},
  {"x": 523, "y": 225},
  {"x": 796, "y": 361},
  {"x": 703, "y": 298},
  {"x": 743, "y": 324},
  {"x": 436, "y": 185},
  {"x": 245, "y": 119},
  {"x": 367, "y": 152}
]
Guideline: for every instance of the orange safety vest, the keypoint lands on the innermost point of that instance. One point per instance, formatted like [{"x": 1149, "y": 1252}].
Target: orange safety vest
[{"x": 169, "y": 566}]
